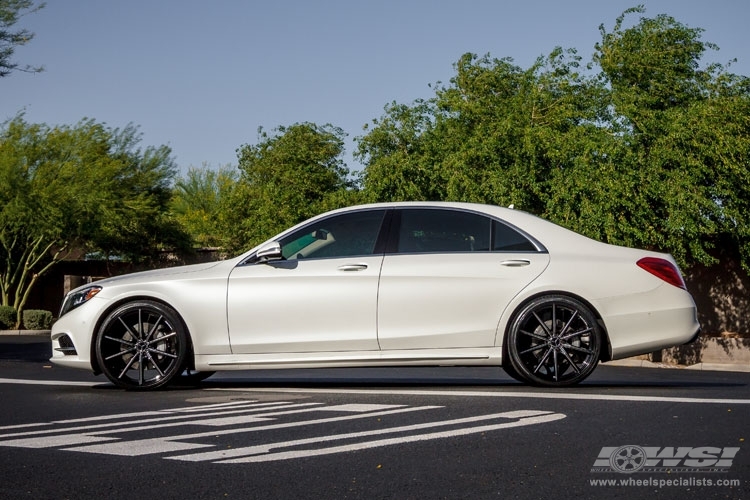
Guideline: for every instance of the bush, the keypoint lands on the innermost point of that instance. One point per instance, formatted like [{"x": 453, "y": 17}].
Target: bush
[
  {"x": 7, "y": 317},
  {"x": 36, "y": 319}
]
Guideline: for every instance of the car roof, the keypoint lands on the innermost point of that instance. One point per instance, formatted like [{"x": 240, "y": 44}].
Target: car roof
[{"x": 554, "y": 238}]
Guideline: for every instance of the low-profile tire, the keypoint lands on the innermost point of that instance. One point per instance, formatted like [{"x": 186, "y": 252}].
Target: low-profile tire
[
  {"x": 508, "y": 368},
  {"x": 554, "y": 341},
  {"x": 142, "y": 345}
]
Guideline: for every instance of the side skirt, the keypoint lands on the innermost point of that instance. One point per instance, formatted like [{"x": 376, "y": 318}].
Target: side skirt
[{"x": 417, "y": 357}]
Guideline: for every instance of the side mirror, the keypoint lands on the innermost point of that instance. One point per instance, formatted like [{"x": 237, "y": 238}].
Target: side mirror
[{"x": 268, "y": 252}]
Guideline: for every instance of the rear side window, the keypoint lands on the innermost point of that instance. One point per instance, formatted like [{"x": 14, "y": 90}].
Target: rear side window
[
  {"x": 507, "y": 239},
  {"x": 440, "y": 231}
]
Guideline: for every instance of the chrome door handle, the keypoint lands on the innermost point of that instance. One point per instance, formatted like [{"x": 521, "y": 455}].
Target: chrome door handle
[
  {"x": 352, "y": 267},
  {"x": 515, "y": 263}
]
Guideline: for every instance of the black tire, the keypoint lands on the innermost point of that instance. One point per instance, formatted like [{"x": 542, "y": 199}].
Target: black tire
[
  {"x": 554, "y": 341},
  {"x": 142, "y": 345},
  {"x": 508, "y": 367}
]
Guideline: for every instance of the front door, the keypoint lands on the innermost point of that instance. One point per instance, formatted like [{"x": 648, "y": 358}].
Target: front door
[{"x": 321, "y": 297}]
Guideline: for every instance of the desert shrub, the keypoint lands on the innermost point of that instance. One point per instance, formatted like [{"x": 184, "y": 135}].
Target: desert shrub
[
  {"x": 37, "y": 319},
  {"x": 7, "y": 317}
]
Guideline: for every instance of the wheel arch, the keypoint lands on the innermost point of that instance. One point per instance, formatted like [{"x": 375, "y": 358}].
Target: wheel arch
[
  {"x": 135, "y": 298},
  {"x": 604, "y": 355}
]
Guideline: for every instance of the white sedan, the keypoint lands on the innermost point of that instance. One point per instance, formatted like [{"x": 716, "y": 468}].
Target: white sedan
[{"x": 440, "y": 284}]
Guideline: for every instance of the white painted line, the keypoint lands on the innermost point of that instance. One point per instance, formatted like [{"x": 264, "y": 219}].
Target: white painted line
[
  {"x": 48, "y": 382},
  {"x": 168, "y": 443},
  {"x": 359, "y": 408},
  {"x": 137, "y": 415},
  {"x": 156, "y": 423},
  {"x": 225, "y": 421},
  {"x": 228, "y": 404},
  {"x": 489, "y": 394},
  {"x": 234, "y": 453},
  {"x": 245, "y": 417},
  {"x": 249, "y": 419},
  {"x": 363, "y": 445},
  {"x": 54, "y": 441}
]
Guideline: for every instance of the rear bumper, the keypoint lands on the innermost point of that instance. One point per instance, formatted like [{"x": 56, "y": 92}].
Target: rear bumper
[{"x": 643, "y": 323}]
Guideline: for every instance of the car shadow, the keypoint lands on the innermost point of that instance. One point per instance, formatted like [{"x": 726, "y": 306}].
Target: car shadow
[
  {"x": 619, "y": 380},
  {"x": 462, "y": 377}
]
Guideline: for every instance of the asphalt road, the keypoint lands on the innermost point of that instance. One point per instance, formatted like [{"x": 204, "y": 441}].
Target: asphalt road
[{"x": 404, "y": 433}]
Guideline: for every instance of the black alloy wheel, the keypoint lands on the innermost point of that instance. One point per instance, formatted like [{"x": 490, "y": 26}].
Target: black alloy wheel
[
  {"x": 142, "y": 345},
  {"x": 554, "y": 341}
]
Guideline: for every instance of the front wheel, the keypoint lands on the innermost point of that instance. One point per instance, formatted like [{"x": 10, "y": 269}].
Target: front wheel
[
  {"x": 554, "y": 341},
  {"x": 142, "y": 345}
]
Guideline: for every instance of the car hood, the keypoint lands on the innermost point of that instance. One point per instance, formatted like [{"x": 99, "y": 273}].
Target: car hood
[{"x": 156, "y": 273}]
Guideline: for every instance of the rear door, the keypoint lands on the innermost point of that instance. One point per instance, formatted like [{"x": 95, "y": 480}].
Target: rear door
[{"x": 448, "y": 276}]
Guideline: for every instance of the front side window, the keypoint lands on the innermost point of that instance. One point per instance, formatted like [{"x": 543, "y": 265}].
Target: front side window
[
  {"x": 425, "y": 230},
  {"x": 344, "y": 235}
]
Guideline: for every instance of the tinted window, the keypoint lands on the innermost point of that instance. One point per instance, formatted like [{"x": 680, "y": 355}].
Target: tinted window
[
  {"x": 506, "y": 239},
  {"x": 343, "y": 235},
  {"x": 434, "y": 230}
]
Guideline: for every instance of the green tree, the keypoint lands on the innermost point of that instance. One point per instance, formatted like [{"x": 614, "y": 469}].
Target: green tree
[
  {"x": 497, "y": 134},
  {"x": 198, "y": 202},
  {"x": 80, "y": 188},
  {"x": 290, "y": 175},
  {"x": 642, "y": 146},
  {"x": 685, "y": 128},
  {"x": 10, "y": 13},
  {"x": 401, "y": 160}
]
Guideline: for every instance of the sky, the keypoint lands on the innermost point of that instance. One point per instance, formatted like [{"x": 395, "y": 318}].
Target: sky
[{"x": 201, "y": 77}]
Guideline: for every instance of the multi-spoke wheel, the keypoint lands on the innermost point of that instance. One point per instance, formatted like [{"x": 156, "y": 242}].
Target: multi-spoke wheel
[
  {"x": 142, "y": 345},
  {"x": 554, "y": 341}
]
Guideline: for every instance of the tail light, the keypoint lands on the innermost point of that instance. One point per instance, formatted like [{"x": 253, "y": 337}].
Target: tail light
[{"x": 663, "y": 269}]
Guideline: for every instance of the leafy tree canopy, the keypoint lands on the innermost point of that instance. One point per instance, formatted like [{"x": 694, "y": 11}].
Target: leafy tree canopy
[
  {"x": 198, "y": 200},
  {"x": 642, "y": 146},
  {"x": 86, "y": 188},
  {"x": 289, "y": 175}
]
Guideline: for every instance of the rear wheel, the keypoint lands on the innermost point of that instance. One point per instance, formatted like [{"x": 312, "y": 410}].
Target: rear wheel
[
  {"x": 142, "y": 345},
  {"x": 554, "y": 340},
  {"x": 508, "y": 367}
]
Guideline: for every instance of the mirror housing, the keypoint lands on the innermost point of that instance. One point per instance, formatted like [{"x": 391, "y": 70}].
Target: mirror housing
[{"x": 268, "y": 252}]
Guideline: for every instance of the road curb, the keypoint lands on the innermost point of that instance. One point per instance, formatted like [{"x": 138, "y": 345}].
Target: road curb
[
  {"x": 716, "y": 367},
  {"x": 25, "y": 333},
  {"x": 719, "y": 367}
]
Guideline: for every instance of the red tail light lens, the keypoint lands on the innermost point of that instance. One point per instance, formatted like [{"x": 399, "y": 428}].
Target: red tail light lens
[{"x": 663, "y": 269}]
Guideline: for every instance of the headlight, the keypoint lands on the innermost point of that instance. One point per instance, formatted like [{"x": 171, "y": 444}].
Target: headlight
[{"x": 78, "y": 298}]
